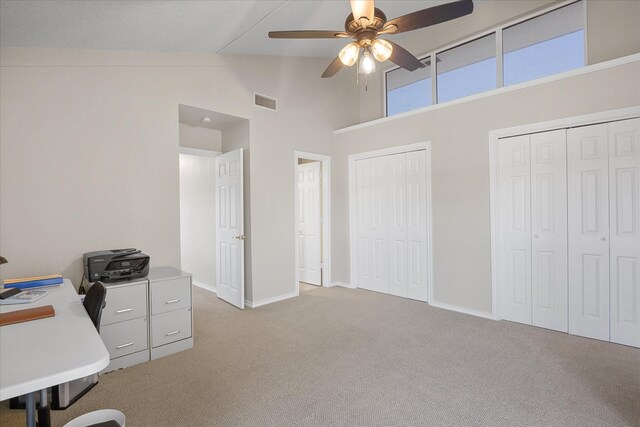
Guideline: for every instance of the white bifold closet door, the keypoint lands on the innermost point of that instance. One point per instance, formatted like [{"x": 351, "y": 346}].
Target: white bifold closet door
[
  {"x": 624, "y": 234},
  {"x": 604, "y": 240},
  {"x": 533, "y": 229},
  {"x": 391, "y": 224}
]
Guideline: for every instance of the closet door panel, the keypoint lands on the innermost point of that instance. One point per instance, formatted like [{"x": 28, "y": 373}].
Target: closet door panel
[
  {"x": 624, "y": 187},
  {"x": 588, "y": 204},
  {"x": 416, "y": 197},
  {"x": 372, "y": 239},
  {"x": 397, "y": 206},
  {"x": 515, "y": 228},
  {"x": 549, "y": 230}
]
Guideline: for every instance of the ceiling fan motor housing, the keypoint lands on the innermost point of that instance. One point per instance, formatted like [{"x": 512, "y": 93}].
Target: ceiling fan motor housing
[{"x": 365, "y": 35}]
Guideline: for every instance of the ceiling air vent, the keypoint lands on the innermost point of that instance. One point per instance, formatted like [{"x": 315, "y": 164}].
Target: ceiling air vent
[{"x": 264, "y": 102}]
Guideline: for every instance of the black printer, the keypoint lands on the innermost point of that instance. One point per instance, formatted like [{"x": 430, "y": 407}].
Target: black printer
[{"x": 115, "y": 264}]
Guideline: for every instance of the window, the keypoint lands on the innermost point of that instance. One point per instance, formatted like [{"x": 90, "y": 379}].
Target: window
[
  {"x": 546, "y": 45},
  {"x": 467, "y": 69},
  {"x": 408, "y": 90},
  {"x": 541, "y": 46}
]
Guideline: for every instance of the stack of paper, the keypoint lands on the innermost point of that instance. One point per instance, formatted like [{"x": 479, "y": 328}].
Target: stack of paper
[{"x": 34, "y": 282}]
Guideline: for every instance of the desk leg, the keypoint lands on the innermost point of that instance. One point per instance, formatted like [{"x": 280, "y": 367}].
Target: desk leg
[
  {"x": 44, "y": 412},
  {"x": 30, "y": 406}
]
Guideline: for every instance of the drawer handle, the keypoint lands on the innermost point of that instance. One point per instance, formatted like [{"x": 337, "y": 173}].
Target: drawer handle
[
  {"x": 168, "y": 334},
  {"x": 124, "y": 310},
  {"x": 118, "y": 347},
  {"x": 172, "y": 301}
]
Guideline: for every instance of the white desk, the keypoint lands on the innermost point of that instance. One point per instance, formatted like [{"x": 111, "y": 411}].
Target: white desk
[{"x": 43, "y": 353}]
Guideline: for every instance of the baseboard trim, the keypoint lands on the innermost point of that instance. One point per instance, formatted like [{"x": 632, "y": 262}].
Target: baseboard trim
[
  {"x": 343, "y": 284},
  {"x": 204, "y": 286},
  {"x": 461, "y": 310},
  {"x": 255, "y": 304}
]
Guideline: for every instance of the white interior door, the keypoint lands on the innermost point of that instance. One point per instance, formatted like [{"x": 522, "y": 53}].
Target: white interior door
[
  {"x": 310, "y": 223},
  {"x": 397, "y": 233},
  {"x": 371, "y": 224},
  {"x": 417, "y": 251},
  {"x": 588, "y": 205},
  {"x": 392, "y": 253},
  {"x": 230, "y": 228},
  {"x": 549, "y": 230},
  {"x": 515, "y": 228},
  {"x": 624, "y": 187}
]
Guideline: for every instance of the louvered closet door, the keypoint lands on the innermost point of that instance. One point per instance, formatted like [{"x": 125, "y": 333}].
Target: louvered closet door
[
  {"x": 588, "y": 185},
  {"x": 515, "y": 228},
  {"x": 549, "y": 230},
  {"x": 624, "y": 187},
  {"x": 372, "y": 224}
]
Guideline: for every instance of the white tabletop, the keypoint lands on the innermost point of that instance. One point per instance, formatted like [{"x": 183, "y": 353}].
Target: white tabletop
[{"x": 42, "y": 353}]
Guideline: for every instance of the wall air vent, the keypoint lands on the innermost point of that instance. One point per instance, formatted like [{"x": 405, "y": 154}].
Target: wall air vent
[{"x": 264, "y": 102}]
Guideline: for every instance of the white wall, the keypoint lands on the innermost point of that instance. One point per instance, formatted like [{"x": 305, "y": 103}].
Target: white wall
[
  {"x": 89, "y": 151},
  {"x": 197, "y": 218},
  {"x": 200, "y": 137},
  {"x": 460, "y": 169}
]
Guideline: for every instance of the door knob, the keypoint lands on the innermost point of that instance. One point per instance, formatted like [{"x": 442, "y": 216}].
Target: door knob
[
  {"x": 603, "y": 238},
  {"x": 240, "y": 237}
]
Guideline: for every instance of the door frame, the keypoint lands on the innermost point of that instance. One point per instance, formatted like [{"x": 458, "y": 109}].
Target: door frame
[
  {"x": 494, "y": 177},
  {"x": 326, "y": 216},
  {"x": 426, "y": 146}
]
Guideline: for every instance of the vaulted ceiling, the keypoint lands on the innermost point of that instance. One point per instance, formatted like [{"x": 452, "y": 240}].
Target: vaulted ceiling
[{"x": 227, "y": 27}]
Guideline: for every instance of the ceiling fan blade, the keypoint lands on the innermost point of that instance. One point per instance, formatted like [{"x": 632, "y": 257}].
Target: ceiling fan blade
[
  {"x": 363, "y": 9},
  {"x": 333, "y": 68},
  {"x": 307, "y": 34},
  {"x": 404, "y": 58},
  {"x": 431, "y": 16}
]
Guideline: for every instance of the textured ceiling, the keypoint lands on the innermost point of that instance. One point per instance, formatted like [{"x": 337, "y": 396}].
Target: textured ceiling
[{"x": 229, "y": 27}]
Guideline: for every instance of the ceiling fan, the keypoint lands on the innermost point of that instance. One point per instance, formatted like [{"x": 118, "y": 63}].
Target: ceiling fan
[{"x": 366, "y": 23}]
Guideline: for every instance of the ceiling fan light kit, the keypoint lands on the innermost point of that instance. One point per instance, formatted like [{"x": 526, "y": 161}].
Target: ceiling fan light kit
[{"x": 366, "y": 22}]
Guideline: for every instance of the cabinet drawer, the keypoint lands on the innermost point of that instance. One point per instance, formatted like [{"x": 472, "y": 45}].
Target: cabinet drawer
[
  {"x": 170, "y": 327},
  {"x": 125, "y": 303},
  {"x": 169, "y": 295},
  {"x": 125, "y": 338}
]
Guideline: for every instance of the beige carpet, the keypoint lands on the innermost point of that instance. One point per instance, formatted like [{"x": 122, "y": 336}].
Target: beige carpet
[{"x": 350, "y": 357}]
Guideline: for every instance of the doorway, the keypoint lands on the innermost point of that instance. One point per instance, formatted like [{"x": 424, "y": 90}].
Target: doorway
[
  {"x": 215, "y": 202},
  {"x": 312, "y": 220},
  {"x": 197, "y": 210}
]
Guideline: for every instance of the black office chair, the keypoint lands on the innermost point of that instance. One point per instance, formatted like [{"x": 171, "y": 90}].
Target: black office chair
[{"x": 94, "y": 302}]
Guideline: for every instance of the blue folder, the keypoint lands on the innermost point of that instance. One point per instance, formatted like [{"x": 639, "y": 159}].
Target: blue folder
[{"x": 34, "y": 283}]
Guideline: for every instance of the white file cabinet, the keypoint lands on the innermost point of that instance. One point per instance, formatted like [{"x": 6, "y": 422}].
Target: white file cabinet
[
  {"x": 170, "y": 308},
  {"x": 124, "y": 326}
]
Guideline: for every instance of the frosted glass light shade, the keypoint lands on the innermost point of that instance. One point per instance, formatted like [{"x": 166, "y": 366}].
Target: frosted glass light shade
[
  {"x": 381, "y": 49},
  {"x": 349, "y": 54},
  {"x": 367, "y": 64}
]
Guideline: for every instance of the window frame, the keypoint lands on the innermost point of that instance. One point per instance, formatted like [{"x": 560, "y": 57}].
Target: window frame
[{"x": 432, "y": 55}]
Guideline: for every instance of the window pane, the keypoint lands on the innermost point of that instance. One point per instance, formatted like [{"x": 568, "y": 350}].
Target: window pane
[
  {"x": 408, "y": 90},
  {"x": 467, "y": 69},
  {"x": 546, "y": 45}
]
